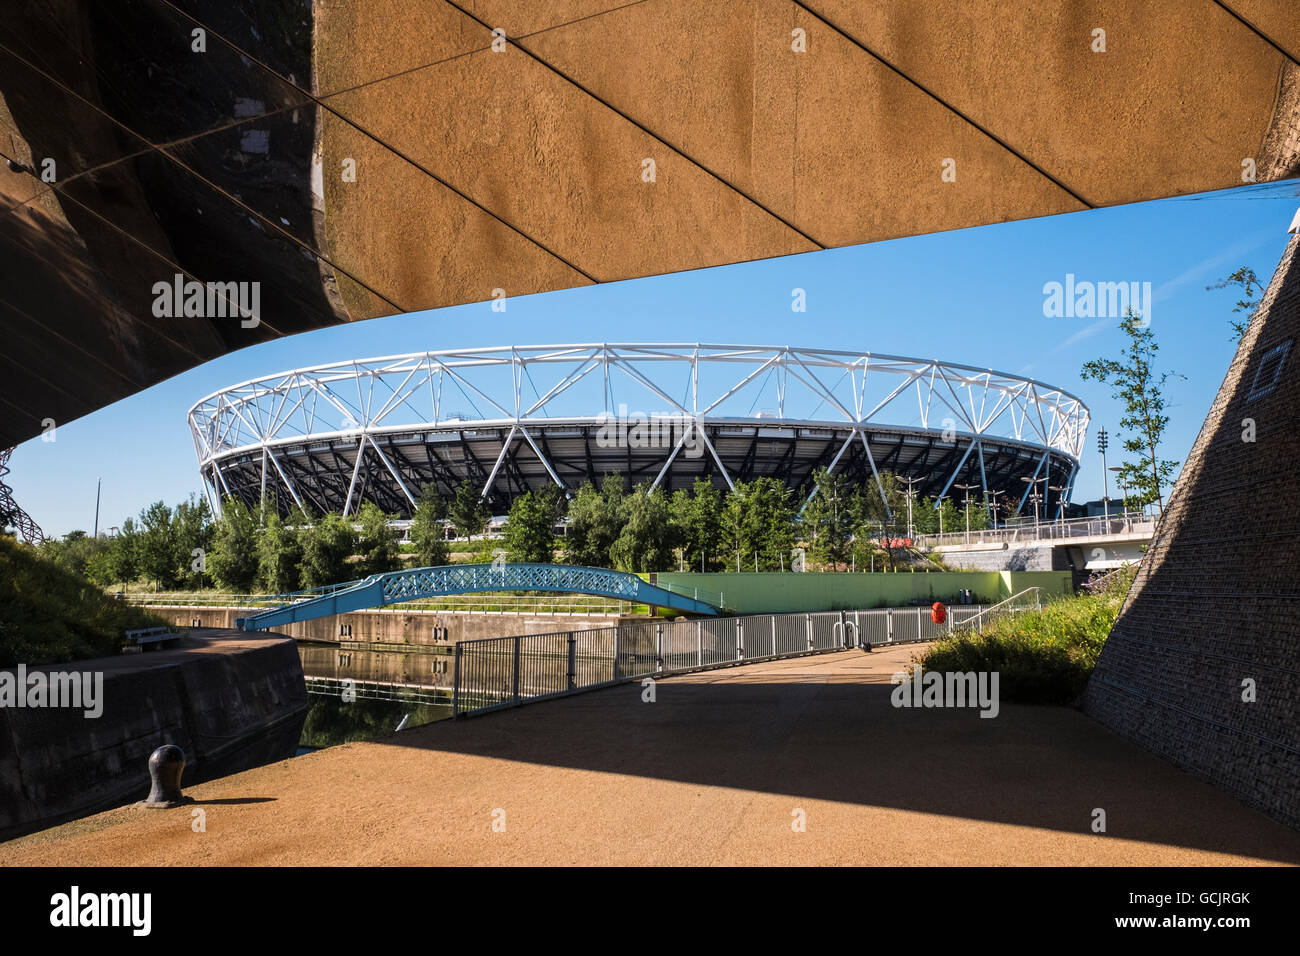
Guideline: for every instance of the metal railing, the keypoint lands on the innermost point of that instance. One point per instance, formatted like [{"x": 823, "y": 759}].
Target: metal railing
[
  {"x": 499, "y": 672},
  {"x": 1015, "y": 604},
  {"x": 1132, "y": 523}
]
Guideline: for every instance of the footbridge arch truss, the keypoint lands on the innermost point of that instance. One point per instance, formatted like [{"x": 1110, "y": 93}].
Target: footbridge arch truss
[{"x": 397, "y": 587}]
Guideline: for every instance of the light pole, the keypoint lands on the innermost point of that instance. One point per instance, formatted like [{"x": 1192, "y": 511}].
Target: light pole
[
  {"x": 1060, "y": 505},
  {"x": 98, "y": 483},
  {"x": 991, "y": 500},
  {"x": 1123, "y": 487},
  {"x": 911, "y": 493},
  {"x": 1035, "y": 497},
  {"x": 1103, "y": 442},
  {"x": 967, "y": 488}
]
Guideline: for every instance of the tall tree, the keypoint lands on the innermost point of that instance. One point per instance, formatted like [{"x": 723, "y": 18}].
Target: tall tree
[
  {"x": 830, "y": 517},
  {"x": 232, "y": 559},
  {"x": 467, "y": 510},
  {"x": 596, "y": 519},
  {"x": 376, "y": 541},
  {"x": 647, "y": 538},
  {"x": 758, "y": 523},
  {"x": 326, "y": 547},
  {"x": 279, "y": 553},
  {"x": 530, "y": 528},
  {"x": 1135, "y": 382},
  {"x": 697, "y": 515},
  {"x": 157, "y": 546},
  {"x": 427, "y": 531},
  {"x": 192, "y": 523}
]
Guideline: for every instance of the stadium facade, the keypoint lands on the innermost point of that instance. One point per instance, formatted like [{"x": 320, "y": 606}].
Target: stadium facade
[{"x": 515, "y": 418}]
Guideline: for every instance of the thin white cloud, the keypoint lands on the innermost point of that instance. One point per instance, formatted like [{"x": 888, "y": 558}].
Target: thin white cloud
[{"x": 1085, "y": 332}]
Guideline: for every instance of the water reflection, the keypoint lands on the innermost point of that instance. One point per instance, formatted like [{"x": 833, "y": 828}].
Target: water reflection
[{"x": 394, "y": 690}]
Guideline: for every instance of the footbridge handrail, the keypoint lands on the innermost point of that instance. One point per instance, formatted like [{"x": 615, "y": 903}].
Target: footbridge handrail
[{"x": 397, "y": 587}]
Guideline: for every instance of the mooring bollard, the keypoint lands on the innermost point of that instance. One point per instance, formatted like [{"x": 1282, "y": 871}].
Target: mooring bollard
[{"x": 166, "y": 764}]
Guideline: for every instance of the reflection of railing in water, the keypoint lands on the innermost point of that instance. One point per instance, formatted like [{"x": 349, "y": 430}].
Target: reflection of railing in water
[
  {"x": 378, "y": 690},
  {"x": 508, "y": 671}
]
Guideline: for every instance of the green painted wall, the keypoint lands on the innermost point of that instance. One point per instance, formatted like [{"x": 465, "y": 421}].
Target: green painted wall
[{"x": 749, "y": 593}]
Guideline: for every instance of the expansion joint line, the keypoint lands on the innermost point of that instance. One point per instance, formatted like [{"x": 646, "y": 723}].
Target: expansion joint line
[
  {"x": 944, "y": 103},
  {"x": 396, "y": 152},
  {"x": 643, "y": 128},
  {"x": 203, "y": 179},
  {"x": 1255, "y": 30}
]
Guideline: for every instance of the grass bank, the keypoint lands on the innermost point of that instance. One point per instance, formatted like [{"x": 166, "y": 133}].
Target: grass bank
[
  {"x": 1042, "y": 657},
  {"x": 49, "y": 615}
]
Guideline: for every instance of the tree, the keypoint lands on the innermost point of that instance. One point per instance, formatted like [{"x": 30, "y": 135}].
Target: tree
[
  {"x": 233, "y": 559},
  {"x": 1250, "y": 287},
  {"x": 647, "y": 538},
  {"x": 1135, "y": 382},
  {"x": 697, "y": 517},
  {"x": 427, "y": 532},
  {"x": 830, "y": 517},
  {"x": 758, "y": 522},
  {"x": 279, "y": 553},
  {"x": 596, "y": 519},
  {"x": 326, "y": 547},
  {"x": 192, "y": 538},
  {"x": 530, "y": 528},
  {"x": 116, "y": 564},
  {"x": 157, "y": 546},
  {"x": 467, "y": 510},
  {"x": 376, "y": 541}
]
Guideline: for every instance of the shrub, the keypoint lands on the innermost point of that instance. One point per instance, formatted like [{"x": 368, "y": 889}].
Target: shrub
[{"x": 1042, "y": 657}]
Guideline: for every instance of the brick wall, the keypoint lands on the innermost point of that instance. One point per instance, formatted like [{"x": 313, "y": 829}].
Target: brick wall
[{"x": 1217, "y": 596}]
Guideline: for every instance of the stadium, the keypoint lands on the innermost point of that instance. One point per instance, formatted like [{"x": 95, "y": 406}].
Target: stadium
[{"x": 515, "y": 418}]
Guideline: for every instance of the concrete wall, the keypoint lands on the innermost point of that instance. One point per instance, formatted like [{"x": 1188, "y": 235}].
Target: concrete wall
[
  {"x": 1215, "y": 603},
  {"x": 229, "y": 701},
  {"x": 747, "y": 593},
  {"x": 996, "y": 558},
  {"x": 397, "y": 627}
]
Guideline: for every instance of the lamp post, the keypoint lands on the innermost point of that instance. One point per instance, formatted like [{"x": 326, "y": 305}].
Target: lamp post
[
  {"x": 1060, "y": 506},
  {"x": 991, "y": 500},
  {"x": 1103, "y": 442},
  {"x": 967, "y": 488},
  {"x": 1123, "y": 486},
  {"x": 1035, "y": 497},
  {"x": 911, "y": 493}
]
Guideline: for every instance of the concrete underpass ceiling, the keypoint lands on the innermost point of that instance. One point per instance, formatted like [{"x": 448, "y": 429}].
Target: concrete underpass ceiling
[{"x": 522, "y": 169}]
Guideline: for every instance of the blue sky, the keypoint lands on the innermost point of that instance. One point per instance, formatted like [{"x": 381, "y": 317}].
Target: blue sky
[{"x": 973, "y": 296}]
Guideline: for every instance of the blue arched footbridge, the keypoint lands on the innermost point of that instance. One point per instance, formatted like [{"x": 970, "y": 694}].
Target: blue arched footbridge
[{"x": 396, "y": 587}]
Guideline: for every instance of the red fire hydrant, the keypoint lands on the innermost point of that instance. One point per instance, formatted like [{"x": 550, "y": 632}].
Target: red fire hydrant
[{"x": 938, "y": 613}]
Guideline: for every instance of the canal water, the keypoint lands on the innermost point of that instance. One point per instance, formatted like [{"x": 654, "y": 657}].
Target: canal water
[{"x": 393, "y": 690}]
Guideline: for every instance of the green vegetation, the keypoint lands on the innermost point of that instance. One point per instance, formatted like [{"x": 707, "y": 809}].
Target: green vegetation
[
  {"x": 756, "y": 525},
  {"x": 331, "y": 721},
  {"x": 428, "y": 537},
  {"x": 1042, "y": 657},
  {"x": 1250, "y": 286},
  {"x": 1136, "y": 384},
  {"x": 50, "y": 614},
  {"x": 529, "y": 534}
]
